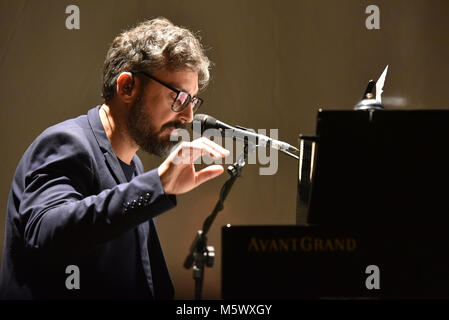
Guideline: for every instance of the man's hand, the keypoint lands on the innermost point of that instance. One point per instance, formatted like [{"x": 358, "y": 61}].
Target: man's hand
[{"x": 178, "y": 173}]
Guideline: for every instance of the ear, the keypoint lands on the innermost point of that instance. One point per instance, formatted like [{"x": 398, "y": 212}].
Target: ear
[{"x": 126, "y": 87}]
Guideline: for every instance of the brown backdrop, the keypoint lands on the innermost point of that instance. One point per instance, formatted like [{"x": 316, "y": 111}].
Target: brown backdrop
[{"x": 276, "y": 63}]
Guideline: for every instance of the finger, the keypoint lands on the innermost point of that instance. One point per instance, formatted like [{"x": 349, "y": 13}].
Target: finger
[
  {"x": 190, "y": 152},
  {"x": 185, "y": 153},
  {"x": 208, "y": 173},
  {"x": 215, "y": 146},
  {"x": 207, "y": 149}
]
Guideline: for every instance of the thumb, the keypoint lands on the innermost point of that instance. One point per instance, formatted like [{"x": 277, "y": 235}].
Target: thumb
[{"x": 208, "y": 173}]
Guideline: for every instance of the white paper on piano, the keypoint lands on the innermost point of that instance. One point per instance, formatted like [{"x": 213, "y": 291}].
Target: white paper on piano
[{"x": 380, "y": 84}]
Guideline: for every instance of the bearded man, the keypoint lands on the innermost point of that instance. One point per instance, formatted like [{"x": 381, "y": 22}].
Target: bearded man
[{"x": 80, "y": 201}]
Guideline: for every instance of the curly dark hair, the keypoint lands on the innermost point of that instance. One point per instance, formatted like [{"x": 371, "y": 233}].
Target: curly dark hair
[{"x": 154, "y": 45}]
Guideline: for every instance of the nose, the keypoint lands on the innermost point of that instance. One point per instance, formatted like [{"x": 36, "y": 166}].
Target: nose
[{"x": 187, "y": 114}]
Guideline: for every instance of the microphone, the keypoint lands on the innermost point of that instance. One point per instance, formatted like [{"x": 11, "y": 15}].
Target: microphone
[{"x": 241, "y": 133}]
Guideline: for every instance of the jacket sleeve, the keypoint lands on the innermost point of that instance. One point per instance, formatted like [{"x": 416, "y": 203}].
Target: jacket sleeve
[{"x": 57, "y": 209}]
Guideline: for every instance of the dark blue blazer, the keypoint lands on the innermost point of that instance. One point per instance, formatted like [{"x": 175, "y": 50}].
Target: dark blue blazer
[{"x": 70, "y": 204}]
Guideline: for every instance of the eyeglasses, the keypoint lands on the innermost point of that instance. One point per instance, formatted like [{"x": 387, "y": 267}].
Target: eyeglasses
[{"x": 182, "y": 99}]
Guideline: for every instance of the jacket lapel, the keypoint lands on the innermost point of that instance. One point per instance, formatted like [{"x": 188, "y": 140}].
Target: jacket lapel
[
  {"x": 115, "y": 168},
  {"x": 105, "y": 146}
]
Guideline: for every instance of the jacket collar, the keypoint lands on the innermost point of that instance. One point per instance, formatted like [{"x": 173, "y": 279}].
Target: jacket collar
[{"x": 93, "y": 117}]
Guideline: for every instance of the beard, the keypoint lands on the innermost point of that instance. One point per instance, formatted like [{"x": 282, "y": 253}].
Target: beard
[{"x": 145, "y": 134}]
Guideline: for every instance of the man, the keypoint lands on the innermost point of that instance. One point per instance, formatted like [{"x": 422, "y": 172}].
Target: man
[{"x": 80, "y": 217}]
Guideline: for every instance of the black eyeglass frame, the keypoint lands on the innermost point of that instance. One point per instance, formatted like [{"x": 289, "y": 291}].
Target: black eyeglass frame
[{"x": 190, "y": 99}]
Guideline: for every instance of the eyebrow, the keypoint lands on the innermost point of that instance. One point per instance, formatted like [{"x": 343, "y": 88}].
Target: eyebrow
[
  {"x": 184, "y": 90},
  {"x": 168, "y": 84}
]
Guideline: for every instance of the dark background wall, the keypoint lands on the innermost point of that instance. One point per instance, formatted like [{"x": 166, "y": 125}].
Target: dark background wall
[{"x": 276, "y": 63}]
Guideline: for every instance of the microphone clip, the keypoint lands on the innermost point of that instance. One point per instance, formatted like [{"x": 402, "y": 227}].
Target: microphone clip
[{"x": 235, "y": 169}]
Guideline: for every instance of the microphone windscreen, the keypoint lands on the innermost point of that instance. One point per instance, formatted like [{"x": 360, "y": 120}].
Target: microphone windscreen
[
  {"x": 200, "y": 117},
  {"x": 207, "y": 122}
]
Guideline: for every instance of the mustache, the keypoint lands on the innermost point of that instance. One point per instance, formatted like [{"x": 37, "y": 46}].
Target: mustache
[{"x": 176, "y": 125}]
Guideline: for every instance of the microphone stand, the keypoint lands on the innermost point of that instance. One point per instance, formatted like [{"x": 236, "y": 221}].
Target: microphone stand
[{"x": 201, "y": 255}]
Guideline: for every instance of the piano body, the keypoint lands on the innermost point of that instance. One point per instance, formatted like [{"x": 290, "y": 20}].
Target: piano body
[{"x": 372, "y": 215}]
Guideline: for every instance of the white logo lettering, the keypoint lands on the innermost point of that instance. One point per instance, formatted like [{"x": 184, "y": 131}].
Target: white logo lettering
[
  {"x": 72, "y": 21},
  {"x": 373, "y": 281},
  {"x": 373, "y": 20},
  {"x": 73, "y": 280}
]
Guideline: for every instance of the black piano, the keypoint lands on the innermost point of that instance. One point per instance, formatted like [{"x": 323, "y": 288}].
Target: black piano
[{"x": 372, "y": 215}]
